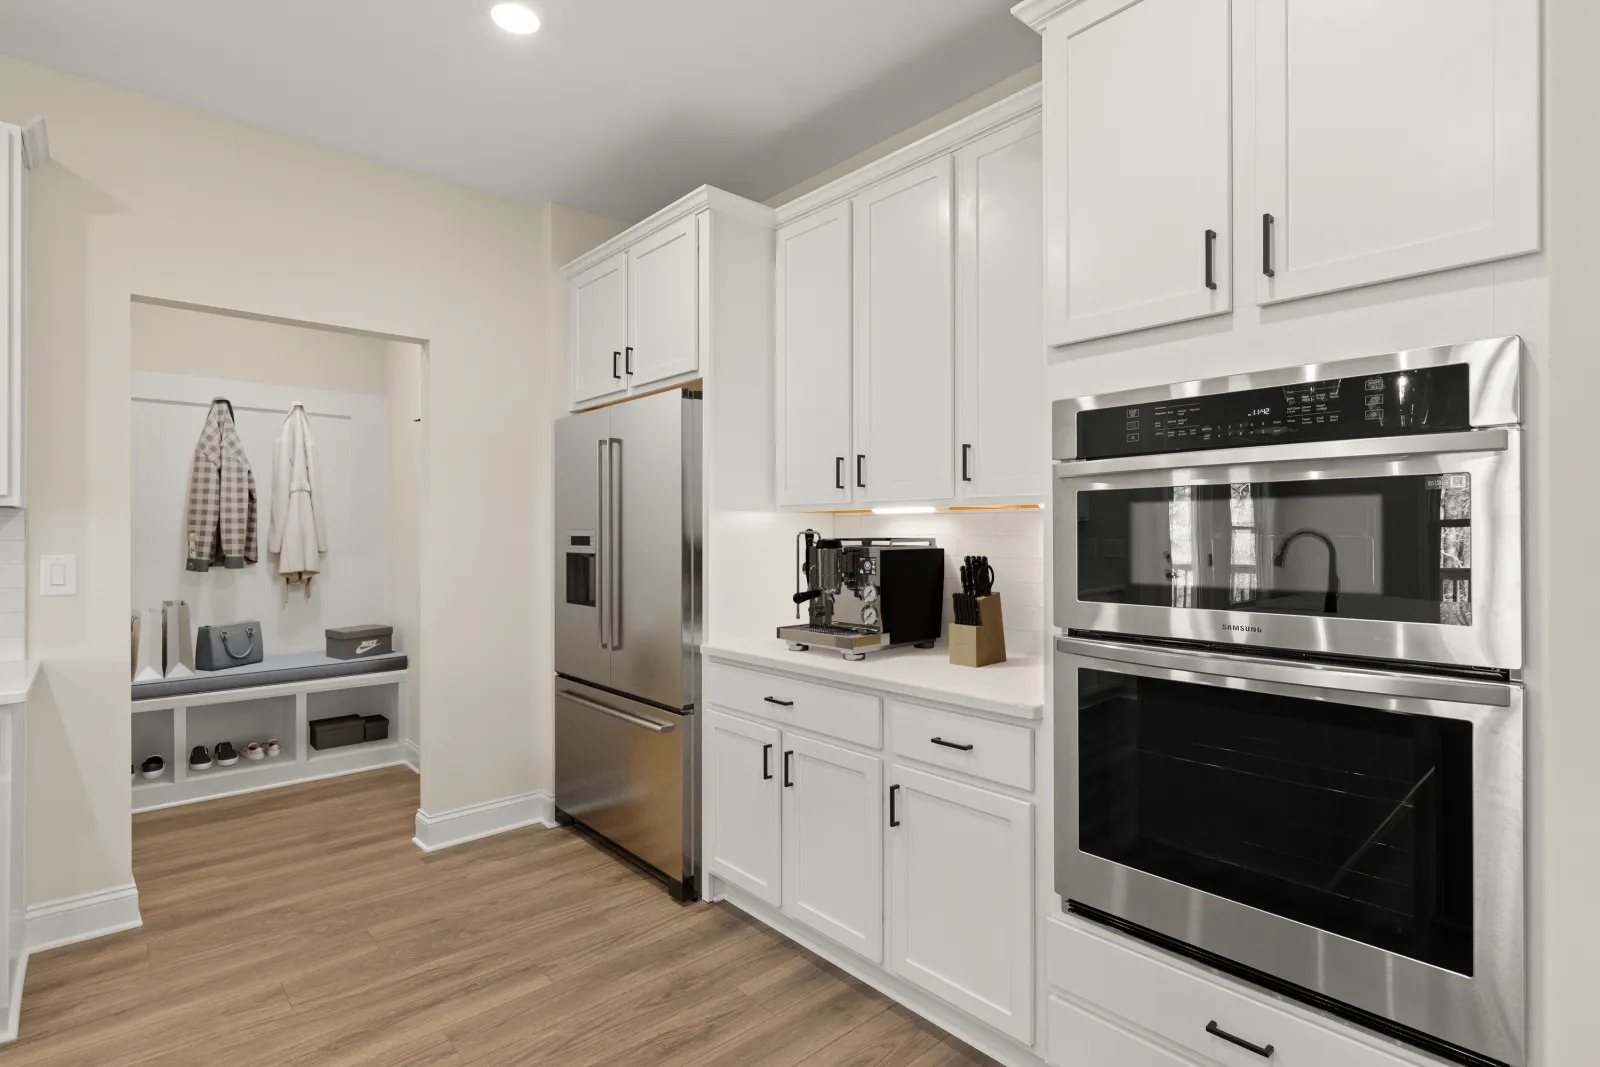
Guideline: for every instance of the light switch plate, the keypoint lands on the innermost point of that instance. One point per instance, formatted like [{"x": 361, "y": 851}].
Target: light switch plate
[{"x": 58, "y": 575}]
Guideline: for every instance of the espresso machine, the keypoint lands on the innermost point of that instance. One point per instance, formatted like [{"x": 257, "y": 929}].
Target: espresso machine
[{"x": 866, "y": 593}]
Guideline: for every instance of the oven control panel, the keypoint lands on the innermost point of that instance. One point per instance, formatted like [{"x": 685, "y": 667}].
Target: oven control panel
[{"x": 1428, "y": 400}]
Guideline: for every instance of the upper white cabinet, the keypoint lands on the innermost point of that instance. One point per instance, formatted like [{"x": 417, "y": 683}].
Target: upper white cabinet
[
  {"x": 814, "y": 337},
  {"x": 13, "y": 248},
  {"x": 1137, "y": 165},
  {"x": 908, "y": 317},
  {"x": 1393, "y": 139},
  {"x": 641, "y": 303},
  {"x": 1004, "y": 442},
  {"x": 905, "y": 346}
]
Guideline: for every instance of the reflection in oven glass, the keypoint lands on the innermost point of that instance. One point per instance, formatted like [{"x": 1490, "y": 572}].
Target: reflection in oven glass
[
  {"x": 1455, "y": 500},
  {"x": 1455, "y": 605},
  {"x": 1243, "y": 553},
  {"x": 1244, "y": 508},
  {"x": 1244, "y": 587},
  {"x": 1455, "y": 547},
  {"x": 1180, "y": 525}
]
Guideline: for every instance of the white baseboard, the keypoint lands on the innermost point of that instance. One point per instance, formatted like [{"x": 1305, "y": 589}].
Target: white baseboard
[
  {"x": 483, "y": 820},
  {"x": 80, "y": 918},
  {"x": 413, "y": 756},
  {"x": 13, "y": 1019}
]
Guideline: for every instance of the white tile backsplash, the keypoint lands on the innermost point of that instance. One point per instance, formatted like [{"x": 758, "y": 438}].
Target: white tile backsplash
[
  {"x": 1013, "y": 541},
  {"x": 13, "y": 585}
]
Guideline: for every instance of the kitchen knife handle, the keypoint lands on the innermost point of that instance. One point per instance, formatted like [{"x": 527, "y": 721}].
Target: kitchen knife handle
[
  {"x": 1266, "y": 246},
  {"x": 1211, "y": 259},
  {"x": 966, "y": 453},
  {"x": 894, "y": 791},
  {"x": 766, "y": 763}
]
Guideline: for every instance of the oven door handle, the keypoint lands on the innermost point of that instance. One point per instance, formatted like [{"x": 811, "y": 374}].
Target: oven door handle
[
  {"x": 1222, "y": 665},
  {"x": 1493, "y": 440}
]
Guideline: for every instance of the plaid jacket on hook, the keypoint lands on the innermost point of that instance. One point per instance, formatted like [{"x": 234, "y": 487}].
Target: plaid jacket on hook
[{"x": 221, "y": 521}]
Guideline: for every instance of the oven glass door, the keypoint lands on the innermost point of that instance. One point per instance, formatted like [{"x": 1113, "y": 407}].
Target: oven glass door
[{"x": 1410, "y": 558}]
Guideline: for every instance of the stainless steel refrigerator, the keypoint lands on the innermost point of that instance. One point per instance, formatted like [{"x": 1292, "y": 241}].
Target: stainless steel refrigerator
[{"x": 628, "y": 609}]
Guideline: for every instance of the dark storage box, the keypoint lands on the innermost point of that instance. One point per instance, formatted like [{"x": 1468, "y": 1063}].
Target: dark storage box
[
  {"x": 359, "y": 642},
  {"x": 338, "y": 731},
  {"x": 377, "y": 728}
]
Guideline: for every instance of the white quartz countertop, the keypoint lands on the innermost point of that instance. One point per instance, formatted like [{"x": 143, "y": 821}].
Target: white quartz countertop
[
  {"x": 1015, "y": 687},
  {"x": 15, "y": 681}
]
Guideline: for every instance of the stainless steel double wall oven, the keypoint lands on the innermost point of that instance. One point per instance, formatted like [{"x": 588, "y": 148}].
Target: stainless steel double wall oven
[{"x": 1289, "y": 718}]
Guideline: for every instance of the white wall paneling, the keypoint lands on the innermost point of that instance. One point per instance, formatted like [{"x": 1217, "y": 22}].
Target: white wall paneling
[
  {"x": 1428, "y": 160},
  {"x": 168, "y": 413}
]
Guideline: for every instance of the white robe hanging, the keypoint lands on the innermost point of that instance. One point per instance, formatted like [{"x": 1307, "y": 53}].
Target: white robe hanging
[{"x": 298, "y": 535}]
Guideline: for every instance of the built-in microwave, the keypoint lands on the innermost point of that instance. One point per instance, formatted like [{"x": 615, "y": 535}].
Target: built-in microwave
[{"x": 1370, "y": 508}]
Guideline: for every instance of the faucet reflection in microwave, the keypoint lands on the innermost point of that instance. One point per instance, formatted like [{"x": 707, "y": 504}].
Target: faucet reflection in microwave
[{"x": 1330, "y": 602}]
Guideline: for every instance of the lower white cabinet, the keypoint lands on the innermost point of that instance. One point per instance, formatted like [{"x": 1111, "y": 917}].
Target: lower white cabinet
[
  {"x": 13, "y": 758},
  {"x": 833, "y": 843},
  {"x": 742, "y": 805},
  {"x": 1076, "y": 1038},
  {"x": 961, "y": 896}
]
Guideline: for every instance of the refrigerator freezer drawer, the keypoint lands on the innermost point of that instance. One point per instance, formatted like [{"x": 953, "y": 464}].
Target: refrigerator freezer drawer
[{"x": 623, "y": 769}]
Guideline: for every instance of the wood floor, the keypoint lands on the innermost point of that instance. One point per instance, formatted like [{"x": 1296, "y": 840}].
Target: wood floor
[{"x": 302, "y": 927}]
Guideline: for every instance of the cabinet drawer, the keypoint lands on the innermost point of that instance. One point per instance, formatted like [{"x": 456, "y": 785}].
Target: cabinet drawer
[
  {"x": 1076, "y": 1038},
  {"x": 1000, "y": 752},
  {"x": 843, "y": 713},
  {"x": 1178, "y": 1005}
]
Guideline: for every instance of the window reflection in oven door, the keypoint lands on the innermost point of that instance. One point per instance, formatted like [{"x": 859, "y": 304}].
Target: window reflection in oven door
[
  {"x": 1411, "y": 552},
  {"x": 1356, "y": 833}
]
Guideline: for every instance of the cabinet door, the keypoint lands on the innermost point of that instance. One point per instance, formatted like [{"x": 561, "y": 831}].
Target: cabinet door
[
  {"x": 1137, "y": 166},
  {"x": 960, "y": 897},
  {"x": 1429, "y": 159},
  {"x": 12, "y": 244},
  {"x": 664, "y": 294},
  {"x": 742, "y": 806},
  {"x": 1000, "y": 402},
  {"x": 833, "y": 843},
  {"x": 813, "y": 343},
  {"x": 905, "y": 339},
  {"x": 599, "y": 329},
  {"x": 1078, "y": 1039}
]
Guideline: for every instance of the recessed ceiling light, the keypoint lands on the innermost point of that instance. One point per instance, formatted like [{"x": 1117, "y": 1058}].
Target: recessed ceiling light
[{"x": 515, "y": 18}]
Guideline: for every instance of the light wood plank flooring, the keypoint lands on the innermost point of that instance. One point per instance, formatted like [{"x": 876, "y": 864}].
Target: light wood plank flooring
[{"x": 302, "y": 927}]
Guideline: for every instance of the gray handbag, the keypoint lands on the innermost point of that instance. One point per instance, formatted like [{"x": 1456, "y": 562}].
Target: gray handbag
[{"x": 233, "y": 644}]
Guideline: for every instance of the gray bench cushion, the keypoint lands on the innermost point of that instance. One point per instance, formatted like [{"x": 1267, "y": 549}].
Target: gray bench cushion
[{"x": 273, "y": 670}]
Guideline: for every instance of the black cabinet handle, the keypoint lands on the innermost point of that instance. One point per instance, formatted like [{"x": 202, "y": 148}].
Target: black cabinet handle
[
  {"x": 614, "y": 357},
  {"x": 1264, "y": 1051},
  {"x": 627, "y": 363},
  {"x": 838, "y": 472},
  {"x": 966, "y": 453},
  {"x": 766, "y": 763},
  {"x": 1211, "y": 259},
  {"x": 780, "y": 703},
  {"x": 861, "y": 482},
  {"x": 893, "y": 791},
  {"x": 1266, "y": 246},
  {"x": 951, "y": 744},
  {"x": 787, "y": 779}
]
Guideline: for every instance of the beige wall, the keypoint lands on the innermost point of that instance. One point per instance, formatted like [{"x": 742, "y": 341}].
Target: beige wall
[
  {"x": 175, "y": 340},
  {"x": 970, "y": 106},
  {"x": 403, "y": 370},
  {"x": 149, "y": 200}
]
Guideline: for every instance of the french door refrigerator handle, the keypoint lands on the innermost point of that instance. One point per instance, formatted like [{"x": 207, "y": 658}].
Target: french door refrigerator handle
[
  {"x": 632, "y": 720},
  {"x": 604, "y": 587},
  {"x": 615, "y": 543}
]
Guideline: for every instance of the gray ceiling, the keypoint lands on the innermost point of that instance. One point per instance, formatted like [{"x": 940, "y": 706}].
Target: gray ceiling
[{"x": 616, "y": 106}]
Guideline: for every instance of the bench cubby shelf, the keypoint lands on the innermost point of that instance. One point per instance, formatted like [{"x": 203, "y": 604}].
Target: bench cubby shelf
[{"x": 169, "y": 726}]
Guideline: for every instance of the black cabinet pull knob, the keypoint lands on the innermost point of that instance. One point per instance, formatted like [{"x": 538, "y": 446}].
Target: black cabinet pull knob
[
  {"x": 775, "y": 700},
  {"x": 1211, "y": 259},
  {"x": 614, "y": 357},
  {"x": 966, "y": 453},
  {"x": 951, "y": 744},
  {"x": 894, "y": 791},
  {"x": 861, "y": 482},
  {"x": 1266, "y": 246},
  {"x": 838, "y": 472},
  {"x": 788, "y": 780},
  {"x": 1264, "y": 1051},
  {"x": 766, "y": 763},
  {"x": 627, "y": 363}
]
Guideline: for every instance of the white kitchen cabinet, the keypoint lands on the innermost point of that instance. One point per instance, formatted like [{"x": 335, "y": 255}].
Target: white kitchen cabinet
[
  {"x": 600, "y": 329},
  {"x": 904, "y": 338},
  {"x": 1076, "y": 1038},
  {"x": 1138, "y": 165},
  {"x": 663, "y": 304},
  {"x": 743, "y": 808},
  {"x": 813, "y": 352},
  {"x": 1428, "y": 158},
  {"x": 13, "y": 250},
  {"x": 833, "y": 843},
  {"x": 1000, "y": 399},
  {"x": 961, "y": 896},
  {"x": 13, "y": 853}
]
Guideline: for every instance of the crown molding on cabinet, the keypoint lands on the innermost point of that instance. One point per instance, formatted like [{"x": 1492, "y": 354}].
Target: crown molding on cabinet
[
  {"x": 1012, "y": 109},
  {"x": 1037, "y": 12},
  {"x": 704, "y": 198}
]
